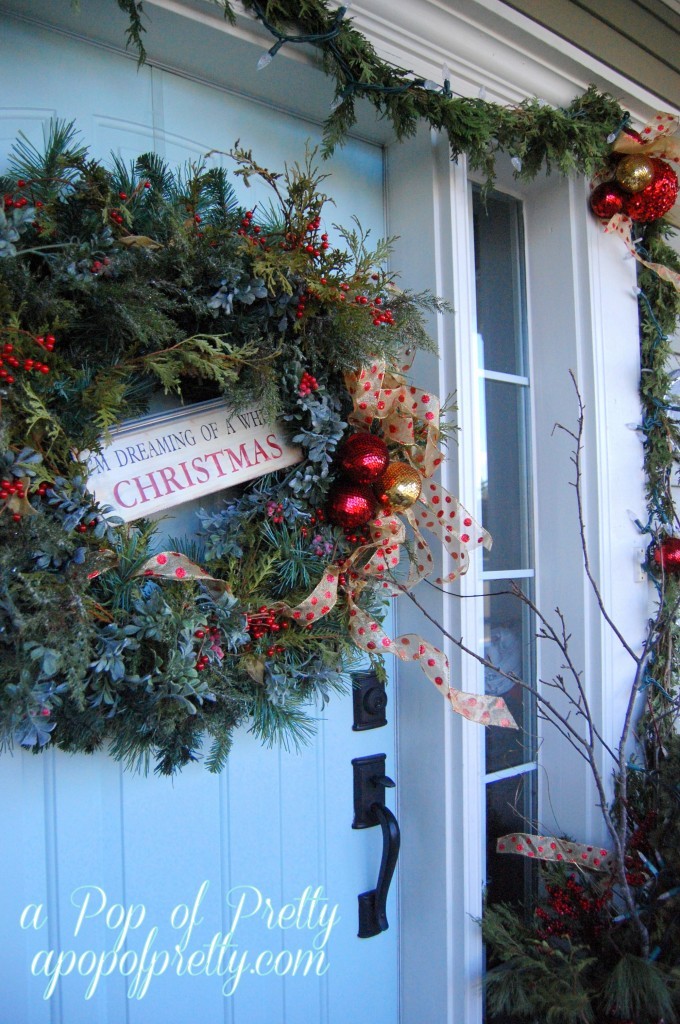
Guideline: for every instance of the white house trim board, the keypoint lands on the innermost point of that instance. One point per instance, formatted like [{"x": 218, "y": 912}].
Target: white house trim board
[{"x": 466, "y": 619}]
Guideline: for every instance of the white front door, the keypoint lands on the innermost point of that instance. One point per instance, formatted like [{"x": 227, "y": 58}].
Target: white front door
[{"x": 104, "y": 871}]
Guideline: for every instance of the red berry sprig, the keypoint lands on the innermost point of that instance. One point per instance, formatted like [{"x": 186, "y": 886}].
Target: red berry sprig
[
  {"x": 307, "y": 385},
  {"x": 99, "y": 266},
  {"x": 307, "y": 241},
  {"x": 84, "y": 527},
  {"x": 11, "y": 359},
  {"x": 264, "y": 622},
  {"x": 252, "y": 231},
  {"x": 572, "y": 912},
  {"x": 12, "y": 488},
  {"x": 212, "y": 635},
  {"x": 11, "y": 203}
]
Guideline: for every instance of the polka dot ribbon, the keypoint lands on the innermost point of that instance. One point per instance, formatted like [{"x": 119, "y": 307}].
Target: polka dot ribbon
[
  {"x": 485, "y": 710},
  {"x": 550, "y": 848},
  {"x": 620, "y": 224},
  {"x": 172, "y": 565},
  {"x": 659, "y": 138}
]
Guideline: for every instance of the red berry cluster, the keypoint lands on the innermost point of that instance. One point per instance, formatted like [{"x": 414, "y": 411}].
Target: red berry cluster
[
  {"x": 90, "y": 525},
  {"x": 571, "y": 912},
  {"x": 9, "y": 358},
  {"x": 9, "y": 488},
  {"x": 18, "y": 202},
  {"x": 308, "y": 383},
  {"x": 114, "y": 214},
  {"x": 639, "y": 841},
  {"x": 275, "y": 512},
  {"x": 99, "y": 266},
  {"x": 212, "y": 634},
  {"x": 265, "y": 622},
  {"x": 342, "y": 576},
  {"x": 356, "y": 538},
  {"x": 307, "y": 241},
  {"x": 252, "y": 231},
  {"x": 14, "y": 204},
  {"x": 302, "y": 301},
  {"x": 380, "y": 315}
]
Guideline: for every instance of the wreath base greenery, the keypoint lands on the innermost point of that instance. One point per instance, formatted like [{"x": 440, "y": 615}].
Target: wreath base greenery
[{"x": 117, "y": 285}]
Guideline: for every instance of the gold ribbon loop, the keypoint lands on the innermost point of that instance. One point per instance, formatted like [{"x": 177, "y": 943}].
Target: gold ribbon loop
[{"x": 378, "y": 394}]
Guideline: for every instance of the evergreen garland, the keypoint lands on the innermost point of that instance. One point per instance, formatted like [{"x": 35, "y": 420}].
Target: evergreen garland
[
  {"x": 536, "y": 135},
  {"x": 119, "y": 284}
]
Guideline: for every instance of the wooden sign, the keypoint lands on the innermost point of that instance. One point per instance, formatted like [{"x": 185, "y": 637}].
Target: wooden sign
[{"x": 161, "y": 460}]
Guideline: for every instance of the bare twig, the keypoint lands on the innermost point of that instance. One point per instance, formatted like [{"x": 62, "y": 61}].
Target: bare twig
[{"x": 576, "y": 459}]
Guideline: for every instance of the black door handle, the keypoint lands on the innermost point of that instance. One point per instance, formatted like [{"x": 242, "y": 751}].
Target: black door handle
[
  {"x": 372, "y": 904},
  {"x": 369, "y": 810}
]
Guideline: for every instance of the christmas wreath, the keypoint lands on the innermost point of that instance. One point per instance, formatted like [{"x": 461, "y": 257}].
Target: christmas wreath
[{"x": 117, "y": 285}]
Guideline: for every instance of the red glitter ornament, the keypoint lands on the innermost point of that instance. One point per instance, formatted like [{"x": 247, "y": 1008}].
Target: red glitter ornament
[
  {"x": 667, "y": 554},
  {"x": 351, "y": 504},
  {"x": 364, "y": 457},
  {"x": 659, "y": 196},
  {"x": 606, "y": 200}
]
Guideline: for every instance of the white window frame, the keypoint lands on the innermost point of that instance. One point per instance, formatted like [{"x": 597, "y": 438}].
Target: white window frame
[{"x": 573, "y": 267}]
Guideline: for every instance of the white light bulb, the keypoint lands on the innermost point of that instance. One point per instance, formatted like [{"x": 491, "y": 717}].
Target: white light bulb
[
  {"x": 611, "y": 137},
  {"x": 482, "y": 92},
  {"x": 430, "y": 85},
  {"x": 516, "y": 162},
  {"x": 264, "y": 60}
]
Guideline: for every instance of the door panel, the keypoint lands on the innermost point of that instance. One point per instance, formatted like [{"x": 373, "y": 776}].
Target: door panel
[{"x": 89, "y": 842}]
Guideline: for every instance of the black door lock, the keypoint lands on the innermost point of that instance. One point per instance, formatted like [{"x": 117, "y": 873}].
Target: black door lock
[{"x": 370, "y": 701}]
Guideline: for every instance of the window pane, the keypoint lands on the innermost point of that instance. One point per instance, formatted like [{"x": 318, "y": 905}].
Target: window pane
[
  {"x": 499, "y": 283},
  {"x": 505, "y": 483},
  {"x": 510, "y": 807},
  {"x": 509, "y": 644}
]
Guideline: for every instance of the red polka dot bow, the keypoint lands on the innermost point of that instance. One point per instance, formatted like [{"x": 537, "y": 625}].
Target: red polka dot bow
[{"x": 404, "y": 412}]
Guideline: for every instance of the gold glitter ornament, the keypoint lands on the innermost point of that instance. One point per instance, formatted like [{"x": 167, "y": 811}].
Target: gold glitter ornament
[
  {"x": 399, "y": 487},
  {"x": 634, "y": 173}
]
